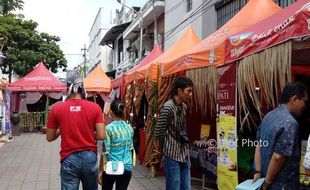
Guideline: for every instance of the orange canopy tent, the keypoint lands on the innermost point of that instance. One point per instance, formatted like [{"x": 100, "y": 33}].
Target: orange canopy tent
[
  {"x": 211, "y": 50},
  {"x": 133, "y": 74},
  {"x": 97, "y": 81},
  {"x": 187, "y": 41}
]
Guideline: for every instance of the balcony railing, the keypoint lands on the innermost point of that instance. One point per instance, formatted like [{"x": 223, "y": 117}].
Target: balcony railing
[{"x": 149, "y": 3}]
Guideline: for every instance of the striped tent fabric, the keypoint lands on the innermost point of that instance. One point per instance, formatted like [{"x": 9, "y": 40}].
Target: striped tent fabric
[
  {"x": 128, "y": 100},
  {"x": 165, "y": 88},
  {"x": 153, "y": 152},
  {"x": 138, "y": 93}
]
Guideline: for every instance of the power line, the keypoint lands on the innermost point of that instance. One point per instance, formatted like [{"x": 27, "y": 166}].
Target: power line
[
  {"x": 201, "y": 8},
  {"x": 199, "y": 11},
  {"x": 174, "y": 7}
]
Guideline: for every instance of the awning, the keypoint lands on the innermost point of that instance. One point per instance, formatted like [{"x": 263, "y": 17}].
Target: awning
[
  {"x": 113, "y": 33},
  {"x": 211, "y": 50},
  {"x": 188, "y": 40},
  {"x": 290, "y": 23},
  {"x": 133, "y": 74}
]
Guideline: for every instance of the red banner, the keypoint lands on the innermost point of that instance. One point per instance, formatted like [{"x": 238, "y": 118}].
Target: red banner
[
  {"x": 227, "y": 176},
  {"x": 292, "y": 22}
]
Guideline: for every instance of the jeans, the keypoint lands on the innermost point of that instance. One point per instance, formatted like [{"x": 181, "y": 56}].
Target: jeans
[
  {"x": 177, "y": 174},
  {"x": 79, "y": 166}
]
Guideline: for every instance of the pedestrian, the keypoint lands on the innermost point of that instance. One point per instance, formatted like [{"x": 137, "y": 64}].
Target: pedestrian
[
  {"x": 172, "y": 135},
  {"x": 119, "y": 147},
  {"x": 278, "y": 161},
  {"x": 79, "y": 123}
]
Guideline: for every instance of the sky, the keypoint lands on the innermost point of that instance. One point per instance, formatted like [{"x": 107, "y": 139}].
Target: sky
[{"x": 71, "y": 20}]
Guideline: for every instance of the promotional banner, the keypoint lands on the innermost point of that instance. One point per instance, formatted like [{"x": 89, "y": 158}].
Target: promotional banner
[
  {"x": 227, "y": 175},
  {"x": 292, "y": 22},
  {"x": 8, "y": 128}
]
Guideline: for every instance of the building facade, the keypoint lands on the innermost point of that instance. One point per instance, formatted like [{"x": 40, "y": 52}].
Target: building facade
[
  {"x": 124, "y": 37},
  {"x": 200, "y": 14},
  {"x": 99, "y": 55}
]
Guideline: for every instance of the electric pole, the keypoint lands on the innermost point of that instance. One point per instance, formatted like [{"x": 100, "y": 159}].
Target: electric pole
[{"x": 84, "y": 55}]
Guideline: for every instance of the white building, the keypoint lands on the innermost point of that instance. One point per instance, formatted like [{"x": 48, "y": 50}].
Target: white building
[
  {"x": 114, "y": 37},
  {"x": 99, "y": 55},
  {"x": 124, "y": 37},
  {"x": 200, "y": 14}
]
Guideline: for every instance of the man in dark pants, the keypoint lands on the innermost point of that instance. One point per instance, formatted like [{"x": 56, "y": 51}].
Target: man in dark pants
[{"x": 172, "y": 135}]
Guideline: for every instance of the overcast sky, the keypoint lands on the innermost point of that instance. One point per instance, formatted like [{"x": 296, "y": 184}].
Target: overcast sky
[{"x": 71, "y": 20}]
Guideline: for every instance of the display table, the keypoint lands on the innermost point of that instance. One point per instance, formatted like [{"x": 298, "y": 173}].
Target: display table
[{"x": 205, "y": 161}]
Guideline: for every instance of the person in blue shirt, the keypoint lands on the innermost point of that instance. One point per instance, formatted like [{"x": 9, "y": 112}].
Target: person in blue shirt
[
  {"x": 277, "y": 159},
  {"x": 119, "y": 146}
]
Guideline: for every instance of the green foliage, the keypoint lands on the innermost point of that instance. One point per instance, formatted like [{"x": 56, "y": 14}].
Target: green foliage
[
  {"x": 26, "y": 47},
  {"x": 11, "y": 5}
]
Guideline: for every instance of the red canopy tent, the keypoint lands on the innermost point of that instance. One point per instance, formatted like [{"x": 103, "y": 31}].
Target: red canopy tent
[
  {"x": 119, "y": 82},
  {"x": 289, "y": 23},
  {"x": 38, "y": 80}
]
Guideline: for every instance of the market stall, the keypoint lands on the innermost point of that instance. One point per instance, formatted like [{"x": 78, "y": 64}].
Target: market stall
[
  {"x": 268, "y": 55},
  {"x": 150, "y": 72},
  {"x": 202, "y": 64},
  {"x": 30, "y": 89},
  {"x": 137, "y": 100}
]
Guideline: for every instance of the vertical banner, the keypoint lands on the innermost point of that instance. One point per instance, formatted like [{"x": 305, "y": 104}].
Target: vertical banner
[
  {"x": 226, "y": 127},
  {"x": 8, "y": 128}
]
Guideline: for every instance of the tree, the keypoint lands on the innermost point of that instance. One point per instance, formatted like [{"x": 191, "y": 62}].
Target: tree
[
  {"x": 11, "y": 5},
  {"x": 26, "y": 47}
]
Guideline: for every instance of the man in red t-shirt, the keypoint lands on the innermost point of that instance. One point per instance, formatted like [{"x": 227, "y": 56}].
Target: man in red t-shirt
[{"x": 78, "y": 122}]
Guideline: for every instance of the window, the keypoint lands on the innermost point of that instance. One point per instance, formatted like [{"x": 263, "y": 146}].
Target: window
[
  {"x": 189, "y": 5},
  {"x": 226, "y": 9},
  {"x": 120, "y": 50},
  {"x": 285, "y": 3}
]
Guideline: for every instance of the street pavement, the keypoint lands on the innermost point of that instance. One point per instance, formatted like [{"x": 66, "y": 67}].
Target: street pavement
[{"x": 29, "y": 162}]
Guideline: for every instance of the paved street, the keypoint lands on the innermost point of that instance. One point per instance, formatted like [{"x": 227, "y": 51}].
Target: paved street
[{"x": 29, "y": 162}]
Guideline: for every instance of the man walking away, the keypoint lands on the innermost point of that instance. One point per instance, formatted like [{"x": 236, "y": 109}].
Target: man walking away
[{"x": 78, "y": 122}]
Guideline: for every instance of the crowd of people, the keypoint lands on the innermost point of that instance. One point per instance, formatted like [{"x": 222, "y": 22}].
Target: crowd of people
[{"x": 81, "y": 123}]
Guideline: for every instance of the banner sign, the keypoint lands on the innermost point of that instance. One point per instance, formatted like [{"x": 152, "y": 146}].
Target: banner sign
[
  {"x": 227, "y": 175},
  {"x": 8, "y": 128},
  {"x": 292, "y": 22}
]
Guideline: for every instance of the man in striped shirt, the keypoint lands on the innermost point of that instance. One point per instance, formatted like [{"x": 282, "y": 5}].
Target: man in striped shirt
[{"x": 172, "y": 135}]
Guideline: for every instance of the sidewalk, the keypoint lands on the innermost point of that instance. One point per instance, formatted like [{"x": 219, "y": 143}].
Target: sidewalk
[{"x": 29, "y": 162}]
